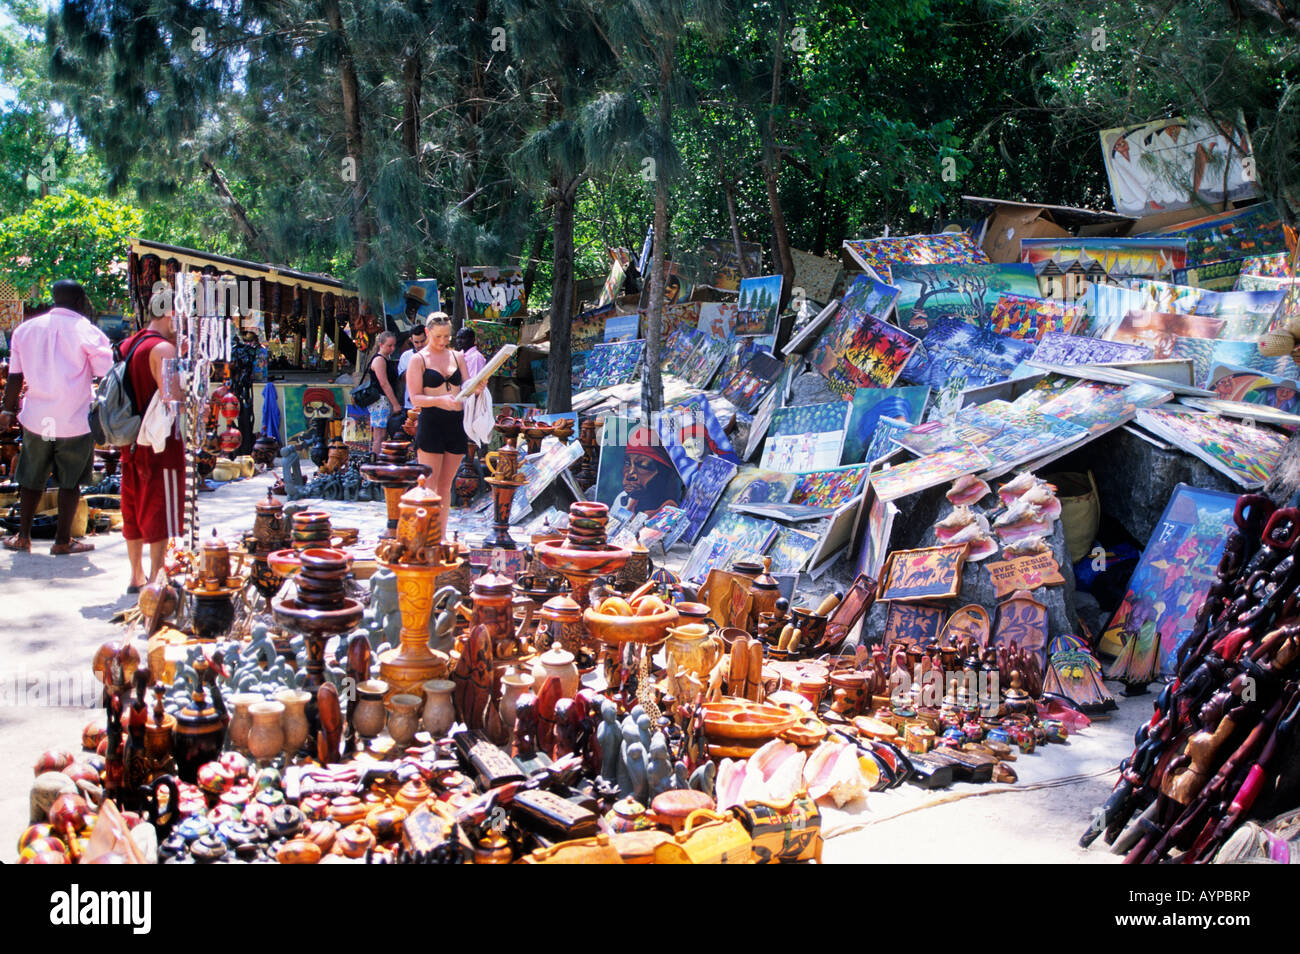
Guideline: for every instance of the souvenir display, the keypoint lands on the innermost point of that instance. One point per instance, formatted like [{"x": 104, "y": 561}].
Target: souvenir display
[
  {"x": 929, "y": 574},
  {"x": 942, "y": 249},
  {"x": 860, "y": 348},
  {"x": 1243, "y": 453},
  {"x": 1018, "y": 316}
]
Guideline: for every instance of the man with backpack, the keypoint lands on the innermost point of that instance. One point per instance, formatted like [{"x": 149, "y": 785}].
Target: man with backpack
[
  {"x": 153, "y": 482},
  {"x": 57, "y": 355}
]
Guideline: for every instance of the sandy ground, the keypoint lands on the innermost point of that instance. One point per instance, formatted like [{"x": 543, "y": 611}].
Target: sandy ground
[{"x": 57, "y": 611}]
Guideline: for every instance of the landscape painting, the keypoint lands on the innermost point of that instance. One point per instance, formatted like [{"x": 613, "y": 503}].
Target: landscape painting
[
  {"x": 927, "y": 294},
  {"x": 859, "y": 348},
  {"x": 760, "y": 298}
]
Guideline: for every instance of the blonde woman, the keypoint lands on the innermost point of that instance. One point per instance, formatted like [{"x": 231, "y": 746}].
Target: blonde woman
[{"x": 433, "y": 380}]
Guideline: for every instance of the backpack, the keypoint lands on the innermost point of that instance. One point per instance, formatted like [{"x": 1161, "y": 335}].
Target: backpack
[{"x": 115, "y": 414}]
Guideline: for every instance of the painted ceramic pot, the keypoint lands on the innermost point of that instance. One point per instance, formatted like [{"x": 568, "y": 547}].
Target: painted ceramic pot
[
  {"x": 557, "y": 662},
  {"x": 403, "y": 718},
  {"x": 266, "y": 739},
  {"x": 628, "y": 815},
  {"x": 294, "y": 720},
  {"x": 439, "y": 712}
]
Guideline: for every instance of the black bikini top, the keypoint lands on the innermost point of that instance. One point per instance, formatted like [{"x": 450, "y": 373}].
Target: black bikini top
[{"x": 433, "y": 378}]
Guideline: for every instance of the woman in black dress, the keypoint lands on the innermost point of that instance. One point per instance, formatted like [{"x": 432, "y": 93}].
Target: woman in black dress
[{"x": 434, "y": 379}]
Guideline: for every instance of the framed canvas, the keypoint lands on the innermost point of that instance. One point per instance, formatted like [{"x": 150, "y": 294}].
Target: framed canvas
[
  {"x": 929, "y": 293},
  {"x": 1232, "y": 383},
  {"x": 706, "y": 487},
  {"x": 413, "y": 305},
  {"x": 1175, "y": 572},
  {"x": 923, "y": 473},
  {"x": 1158, "y": 330},
  {"x": 933, "y": 573},
  {"x": 791, "y": 549},
  {"x": 718, "y": 318},
  {"x": 689, "y": 430},
  {"x": 807, "y": 437},
  {"x": 943, "y": 248},
  {"x": 860, "y": 348},
  {"x": 955, "y": 349},
  {"x": 634, "y": 473},
  {"x": 827, "y": 488},
  {"x": 1246, "y": 455},
  {"x": 613, "y": 364},
  {"x": 1065, "y": 349},
  {"x": 493, "y": 293},
  {"x": 760, "y": 300},
  {"x": 756, "y": 377},
  {"x": 1027, "y": 318}
]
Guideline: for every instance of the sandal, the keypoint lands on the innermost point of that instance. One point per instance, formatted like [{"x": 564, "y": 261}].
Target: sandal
[
  {"x": 72, "y": 546},
  {"x": 21, "y": 544}
]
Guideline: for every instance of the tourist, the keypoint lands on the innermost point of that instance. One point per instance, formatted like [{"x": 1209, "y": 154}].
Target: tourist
[
  {"x": 466, "y": 343},
  {"x": 419, "y": 338},
  {"x": 153, "y": 482},
  {"x": 433, "y": 379},
  {"x": 384, "y": 369},
  {"x": 56, "y": 355}
]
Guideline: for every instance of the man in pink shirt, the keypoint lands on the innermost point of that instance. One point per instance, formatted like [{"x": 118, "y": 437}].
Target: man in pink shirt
[
  {"x": 56, "y": 355},
  {"x": 465, "y": 343}
]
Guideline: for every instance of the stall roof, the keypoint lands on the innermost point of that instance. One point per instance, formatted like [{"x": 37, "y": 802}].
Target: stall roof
[{"x": 278, "y": 273}]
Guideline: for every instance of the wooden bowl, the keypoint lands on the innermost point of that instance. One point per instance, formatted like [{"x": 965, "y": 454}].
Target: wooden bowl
[
  {"x": 617, "y": 630},
  {"x": 742, "y": 719}
]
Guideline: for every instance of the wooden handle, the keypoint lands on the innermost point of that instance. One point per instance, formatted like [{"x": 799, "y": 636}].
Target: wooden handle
[{"x": 828, "y": 604}]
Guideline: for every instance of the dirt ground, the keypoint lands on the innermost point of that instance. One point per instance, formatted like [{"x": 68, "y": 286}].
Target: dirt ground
[{"x": 57, "y": 611}]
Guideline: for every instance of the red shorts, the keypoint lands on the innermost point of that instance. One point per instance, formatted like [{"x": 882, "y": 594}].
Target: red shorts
[{"x": 153, "y": 492}]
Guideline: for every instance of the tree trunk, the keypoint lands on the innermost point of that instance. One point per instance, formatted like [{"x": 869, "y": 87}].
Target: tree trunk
[
  {"x": 351, "y": 90},
  {"x": 772, "y": 173},
  {"x": 534, "y": 256},
  {"x": 559, "y": 387},
  {"x": 255, "y": 240},
  {"x": 652, "y": 385},
  {"x": 411, "y": 79},
  {"x": 729, "y": 189}
]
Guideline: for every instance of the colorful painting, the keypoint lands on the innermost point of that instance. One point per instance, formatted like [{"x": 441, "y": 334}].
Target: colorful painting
[
  {"x": 793, "y": 453},
  {"x": 707, "y": 484},
  {"x": 689, "y": 431},
  {"x": 1010, "y": 434},
  {"x": 1245, "y": 314},
  {"x": 827, "y": 488},
  {"x": 495, "y": 560},
  {"x": 1273, "y": 265},
  {"x": 875, "y": 543},
  {"x": 1175, "y": 572},
  {"x": 1072, "y": 350},
  {"x": 1243, "y": 453},
  {"x": 622, "y": 328},
  {"x": 492, "y": 293},
  {"x": 929, "y": 471},
  {"x": 869, "y": 406},
  {"x": 1066, "y": 267},
  {"x": 701, "y": 363},
  {"x": 791, "y": 549},
  {"x": 1171, "y": 164},
  {"x": 760, "y": 300},
  {"x": 931, "y": 573},
  {"x": 1099, "y": 406},
  {"x": 1205, "y": 354},
  {"x": 718, "y": 318},
  {"x": 413, "y": 305},
  {"x": 913, "y": 623},
  {"x": 1248, "y": 386},
  {"x": 683, "y": 314},
  {"x": 736, "y": 536},
  {"x": 884, "y": 441},
  {"x": 721, "y": 266},
  {"x": 1224, "y": 245},
  {"x": 955, "y": 349},
  {"x": 612, "y": 364},
  {"x": 755, "y": 378},
  {"x": 304, "y": 404},
  {"x": 1155, "y": 295},
  {"x": 664, "y": 526},
  {"x": 1158, "y": 330},
  {"x": 860, "y": 348},
  {"x": 944, "y": 248},
  {"x": 1019, "y": 316},
  {"x": 620, "y": 262},
  {"x": 1106, "y": 306},
  {"x": 540, "y": 470},
  {"x": 677, "y": 286},
  {"x": 490, "y": 337},
  {"x": 634, "y": 473},
  {"x": 929, "y": 293}
]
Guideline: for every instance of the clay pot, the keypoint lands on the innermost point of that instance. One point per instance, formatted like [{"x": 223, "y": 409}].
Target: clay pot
[
  {"x": 559, "y": 663},
  {"x": 403, "y": 718},
  {"x": 266, "y": 739},
  {"x": 369, "y": 716},
  {"x": 298, "y": 851},
  {"x": 354, "y": 840},
  {"x": 294, "y": 719},
  {"x": 240, "y": 721},
  {"x": 439, "y": 712},
  {"x": 513, "y": 685}
]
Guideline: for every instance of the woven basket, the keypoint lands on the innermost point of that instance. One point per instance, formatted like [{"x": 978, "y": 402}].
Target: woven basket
[{"x": 1275, "y": 344}]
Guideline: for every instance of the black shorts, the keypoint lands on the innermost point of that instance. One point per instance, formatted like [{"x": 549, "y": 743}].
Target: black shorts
[
  {"x": 69, "y": 459},
  {"x": 441, "y": 431}
]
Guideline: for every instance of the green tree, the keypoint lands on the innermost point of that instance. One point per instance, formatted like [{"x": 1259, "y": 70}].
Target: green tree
[{"x": 70, "y": 235}]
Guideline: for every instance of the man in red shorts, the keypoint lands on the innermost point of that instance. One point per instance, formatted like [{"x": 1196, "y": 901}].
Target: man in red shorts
[{"x": 153, "y": 483}]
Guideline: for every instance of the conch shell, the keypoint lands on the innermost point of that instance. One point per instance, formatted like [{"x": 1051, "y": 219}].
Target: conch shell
[
  {"x": 1025, "y": 546},
  {"x": 833, "y": 772},
  {"x": 966, "y": 490},
  {"x": 1018, "y": 486},
  {"x": 982, "y": 545}
]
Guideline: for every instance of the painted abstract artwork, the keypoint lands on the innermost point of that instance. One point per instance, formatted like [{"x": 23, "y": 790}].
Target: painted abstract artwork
[
  {"x": 943, "y": 248},
  {"x": 1175, "y": 572},
  {"x": 859, "y": 348},
  {"x": 1020, "y": 316},
  {"x": 1247, "y": 455}
]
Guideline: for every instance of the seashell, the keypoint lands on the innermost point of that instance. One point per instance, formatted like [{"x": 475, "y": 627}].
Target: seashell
[
  {"x": 1018, "y": 485},
  {"x": 967, "y": 489},
  {"x": 1025, "y": 546},
  {"x": 960, "y": 517},
  {"x": 1019, "y": 511},
  {"x": 1042, "y": 497}
]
